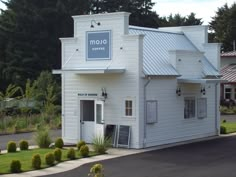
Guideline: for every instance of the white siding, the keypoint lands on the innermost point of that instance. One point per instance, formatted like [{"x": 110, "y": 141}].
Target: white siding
[
  {"x": 182, "y": 60},
  {"x": 212, "y": 52},
  {"x": 118, "y": 87},
  {"x": 171, "y": 126}
]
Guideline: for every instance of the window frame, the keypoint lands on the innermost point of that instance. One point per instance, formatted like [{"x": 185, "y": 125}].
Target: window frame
[
  {"x": 227, "y": 92},
  {"x": 190, "y": 98},
  {"x": 132, "y": 108}
]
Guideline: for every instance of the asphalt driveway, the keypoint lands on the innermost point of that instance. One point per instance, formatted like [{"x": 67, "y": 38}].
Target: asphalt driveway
[{"x": 214, "y": 158}]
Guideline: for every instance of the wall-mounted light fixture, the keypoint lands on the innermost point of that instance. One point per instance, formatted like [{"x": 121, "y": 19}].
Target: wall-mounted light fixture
[
  {"x": 94, "y": 22},
  {"x": 104, "y": 94},
  {"x": 178, "y": 91},
  {"x": 203, "y": 90}
]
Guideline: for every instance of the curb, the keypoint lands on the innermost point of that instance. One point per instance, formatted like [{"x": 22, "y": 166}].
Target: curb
[{"x": 112, "y": 153}]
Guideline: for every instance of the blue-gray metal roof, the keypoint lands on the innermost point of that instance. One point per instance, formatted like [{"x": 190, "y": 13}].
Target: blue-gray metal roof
[{"x": 157, "y": 45}]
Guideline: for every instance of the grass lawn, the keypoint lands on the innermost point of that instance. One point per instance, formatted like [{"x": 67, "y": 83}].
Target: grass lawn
[
  {"x": 230, "y": 126},
  {"x": 26, "y": 156}
]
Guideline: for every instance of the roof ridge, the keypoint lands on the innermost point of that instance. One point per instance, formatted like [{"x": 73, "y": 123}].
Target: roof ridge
[{"x": 153, "y": 30}]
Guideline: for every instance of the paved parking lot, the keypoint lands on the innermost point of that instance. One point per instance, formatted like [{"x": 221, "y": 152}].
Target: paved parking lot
[{"x": 213, "y": 158}]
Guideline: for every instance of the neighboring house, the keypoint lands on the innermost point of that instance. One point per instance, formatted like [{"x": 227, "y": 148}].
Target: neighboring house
[
  {"x": 144, "y": 86},
  {"x": 228, "y": 72}
]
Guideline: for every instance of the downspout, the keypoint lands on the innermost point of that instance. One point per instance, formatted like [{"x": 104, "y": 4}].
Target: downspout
[
  {"x": 216, "y": 109},
  {"x": 145, "y": 111}
]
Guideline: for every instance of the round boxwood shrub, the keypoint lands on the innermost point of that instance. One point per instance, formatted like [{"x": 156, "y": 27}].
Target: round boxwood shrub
[
  {"x": 24, "y": 145},
  {"x": 57, "y": 154},
  {"x": 15, "y": 166},
  {"x": 36, "y": 161},
  {"x": 49, "y": 159},
  {"x": 59, "y": 143},
  {"x": 223, "y": 130},
  {"x": 80, "y": 143},
  {"x": 71, "y": 154},
  {"x": 11, "y": 146},
  {"x": 84, "y": 151}
]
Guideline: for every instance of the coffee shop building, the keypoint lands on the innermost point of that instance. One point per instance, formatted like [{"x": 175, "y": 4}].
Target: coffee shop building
[{"x": 142, "y": 86}]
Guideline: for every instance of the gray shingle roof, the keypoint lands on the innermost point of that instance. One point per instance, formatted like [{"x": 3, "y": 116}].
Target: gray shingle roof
[{"x": 157, "y": 45}]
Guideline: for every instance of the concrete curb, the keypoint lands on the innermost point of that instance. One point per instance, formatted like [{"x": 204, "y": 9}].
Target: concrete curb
[{"x": 112, "y": 153}]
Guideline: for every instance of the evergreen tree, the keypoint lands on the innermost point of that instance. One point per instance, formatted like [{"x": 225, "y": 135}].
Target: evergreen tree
[
  {"x": 178, "y": 20},
  {"x": 223, "y": 27},
  {"x": 29, "y": 36}
]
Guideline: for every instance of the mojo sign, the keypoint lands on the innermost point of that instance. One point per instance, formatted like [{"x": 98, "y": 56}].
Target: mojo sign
[{"x": 98, "y": 45}]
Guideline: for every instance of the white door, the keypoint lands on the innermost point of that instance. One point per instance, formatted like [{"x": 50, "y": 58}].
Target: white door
[
  {"x": 99, "y": 118},
  {"x": 87, "y": 120}
]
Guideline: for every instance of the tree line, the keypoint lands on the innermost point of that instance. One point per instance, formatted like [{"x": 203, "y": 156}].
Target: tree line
[{"x": 30, "y": 31}]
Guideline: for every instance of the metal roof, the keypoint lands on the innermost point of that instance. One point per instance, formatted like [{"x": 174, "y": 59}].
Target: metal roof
[
  {"x": 157, "y": 45},
  {"x": 228, "y": 73},
  {"x": 229, "y": 54}
]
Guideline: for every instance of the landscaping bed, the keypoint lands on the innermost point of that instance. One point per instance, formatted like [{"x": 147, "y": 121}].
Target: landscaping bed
[
  {"x": 228, "y": 127},
  {"x": 25, "y": 157}
]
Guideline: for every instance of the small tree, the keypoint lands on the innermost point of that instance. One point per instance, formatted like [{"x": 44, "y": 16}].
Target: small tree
[
  {"x": 42, "y": 137},
  {"x": 96, "y": 170}
]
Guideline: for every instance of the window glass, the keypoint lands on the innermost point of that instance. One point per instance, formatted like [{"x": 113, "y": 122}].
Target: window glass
[
  {"x": 99, "y": 113},
  {"x": 189, "y": 107},
  {"x": 128, "y": 108},
  {"x": 228, "y": 93}
]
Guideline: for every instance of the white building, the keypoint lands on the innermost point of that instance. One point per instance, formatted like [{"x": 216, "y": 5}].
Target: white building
[{"x": 162, "y": 83}]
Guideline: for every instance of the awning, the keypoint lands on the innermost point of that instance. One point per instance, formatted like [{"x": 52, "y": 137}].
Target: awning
[
  {"x": 90, "y": 70},
  {"x": 200, "y": 81}
]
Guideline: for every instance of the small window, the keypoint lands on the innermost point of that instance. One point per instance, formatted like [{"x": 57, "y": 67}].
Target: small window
[
  {"x": 128, "y": 108},
  {"x": 228, "y": 93},
  {"x": 235, "y": 93},
  {"x": 202, "y": 108},
  {"x": 189, "y": 107}
]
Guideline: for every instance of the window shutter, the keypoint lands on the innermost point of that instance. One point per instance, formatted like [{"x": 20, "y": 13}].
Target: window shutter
[{"x": 202, "y": 107}]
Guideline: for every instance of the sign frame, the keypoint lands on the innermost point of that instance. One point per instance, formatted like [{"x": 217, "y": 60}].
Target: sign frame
[
  {"x": 109, "y": 45},
  {"x": 127, "y": 145}
]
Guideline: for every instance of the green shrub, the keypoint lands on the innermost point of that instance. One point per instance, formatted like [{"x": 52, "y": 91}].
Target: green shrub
[
  {"x": 42, "y": 138},
  {"x": 96, "y": 171},
  {"x": 11, "y": 146},
  {"x": 57, "y": 154},
  {"x": 49, "y": 159},
  {"x": 59, "y": 143},
  {"x": 84, "y": 151},
  {"x": 36, "y": 161},
  {"x": 24, "y": 145},
  {"x": 71, "y": 154},
  {"x": 223, "y": 130},
  {"x": 80, "y": 143},
  {"x": 224, "y": 121},
  {"x": 101, "y": 144},
  {"x": 15, "y": 166}
]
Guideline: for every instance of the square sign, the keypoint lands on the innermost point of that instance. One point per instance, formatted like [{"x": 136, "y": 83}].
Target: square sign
[{"x": 98, "y": 45}]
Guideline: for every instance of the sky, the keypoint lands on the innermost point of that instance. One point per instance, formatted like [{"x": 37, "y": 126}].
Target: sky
[{"x": 204, "y": 9}]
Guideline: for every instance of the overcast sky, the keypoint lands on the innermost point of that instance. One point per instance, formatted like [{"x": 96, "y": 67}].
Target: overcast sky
[{"x": 204, "y": 9}]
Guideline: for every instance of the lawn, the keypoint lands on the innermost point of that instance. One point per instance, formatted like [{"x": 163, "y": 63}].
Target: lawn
[
  {"x": 26, "y": 156},
  {"x": 230, "y": 126}
]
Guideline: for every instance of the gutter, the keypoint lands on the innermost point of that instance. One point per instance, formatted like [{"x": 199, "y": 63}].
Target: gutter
[
  {"x": 216, "y": 110},
  {"x": 145, "y": 111}
]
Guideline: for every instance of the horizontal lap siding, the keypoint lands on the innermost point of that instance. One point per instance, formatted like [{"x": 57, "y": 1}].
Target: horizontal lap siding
[
  {"x": 171, "y": 126},
  {"x": 118, "y": 87}
]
